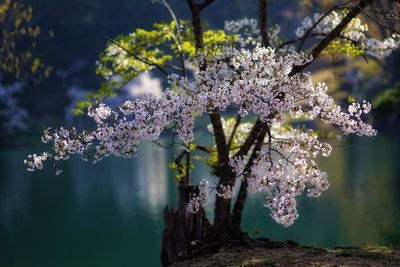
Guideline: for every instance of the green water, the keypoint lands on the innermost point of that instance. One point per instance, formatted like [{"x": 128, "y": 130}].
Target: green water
[{"x": 110, "y": 214}]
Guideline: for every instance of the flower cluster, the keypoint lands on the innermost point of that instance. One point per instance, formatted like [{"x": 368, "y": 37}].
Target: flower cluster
[
  {"x": 200, "y": 199},
  {"x": 320, "y": 104},
  {"x": 237, "y": 164},
  {"x": 254, "y": 81},
  {"x": 203, "y": 191},
  {"x": 247, "y": 31},
  {"x": 242, "y": 25},
  {"x": 36, "y": 161},
  {"x": 286, "y": 169},
  {"x": 355, "y": 32},
  {"x": 225, "y": 191},
  {"x": 100, "y": 114},
  {"x": 194, "y": 204}
]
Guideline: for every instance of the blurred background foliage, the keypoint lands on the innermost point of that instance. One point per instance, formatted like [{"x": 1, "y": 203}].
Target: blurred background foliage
[{"x": 19, "y": 37}]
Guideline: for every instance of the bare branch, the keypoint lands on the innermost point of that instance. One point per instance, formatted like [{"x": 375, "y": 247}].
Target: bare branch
[
  {"x": 299, "y": 39},
  {"x": 203, "y": 148},
  {"x": 196, "y": 21}
]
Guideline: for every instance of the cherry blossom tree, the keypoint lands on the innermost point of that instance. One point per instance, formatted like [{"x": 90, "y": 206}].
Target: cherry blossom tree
[{"x": 247, "y": 69}]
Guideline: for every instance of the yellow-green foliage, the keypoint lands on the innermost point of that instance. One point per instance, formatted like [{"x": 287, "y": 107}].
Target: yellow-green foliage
[
  {"x": 211, "y": 160},
  {"x": 341, "y": 47},
  {"x": 180, "y": 171},
  {"x": 128, "y": 55},
  {"x": 351, "y": 99},
  {"x": 18, "y": 40}
]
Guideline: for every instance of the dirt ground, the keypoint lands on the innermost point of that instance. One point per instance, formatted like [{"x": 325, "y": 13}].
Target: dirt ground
[{"x": 290, "y": 254}]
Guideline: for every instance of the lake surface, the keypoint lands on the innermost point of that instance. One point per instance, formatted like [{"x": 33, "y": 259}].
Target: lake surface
[{"x": 110, "y": 214}]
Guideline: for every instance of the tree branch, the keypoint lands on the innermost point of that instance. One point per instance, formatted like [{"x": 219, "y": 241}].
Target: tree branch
[
  {"x": 333, "y": 34},
  {"x": 178, "y": 39},
  {"x": 235, "y": 127},
  {"x": 242, "y": 194},
  {"x": 251, "y": 138},
  {"x": 377, "y": 20},
  {"x": 215, "y": 117},
  {"x": 263, "y": 9},
  {"x": 205, "y": 4},
  {"x": 196, "y": 21},
  {"x": 145, "y": 61},
  {"x": 203, "y": 148},
  {"x": 178, "y": 162},
  {"x": 318, "y": 21},
  {"x": 187, "y": 173}
]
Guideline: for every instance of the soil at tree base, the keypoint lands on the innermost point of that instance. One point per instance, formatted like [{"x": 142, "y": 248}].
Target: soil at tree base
[{"x": 262, "y": 252}]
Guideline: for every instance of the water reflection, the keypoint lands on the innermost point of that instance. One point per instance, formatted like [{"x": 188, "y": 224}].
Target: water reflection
[
  {"x": 110, "y": 214},
  {"x": 15, "y": 189},
  {"x": 372, "y": 190},
  {"x": 360, "y": 206},
  {"x": 141, "y": 182},
  {"x": 152, "y": 180}
]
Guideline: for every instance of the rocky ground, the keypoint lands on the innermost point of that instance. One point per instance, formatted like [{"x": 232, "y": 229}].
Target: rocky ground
[{"x": 262, "y": 252}]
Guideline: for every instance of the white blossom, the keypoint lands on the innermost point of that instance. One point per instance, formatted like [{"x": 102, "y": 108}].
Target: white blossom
[
  {"x": 256, "y": 81},
  {"x": 36, "y": 161},
  {"x": 200, "y": 199},
  {"x": 225, "y": 191},
  {"x": 100, "y": 114},
  {"x": 194, "y": 204},
  {"x": 354, "y": 31}
]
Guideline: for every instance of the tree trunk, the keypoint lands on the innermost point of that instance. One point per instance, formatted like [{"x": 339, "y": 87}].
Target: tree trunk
[
  {"x": 222, "y": 227},
  {"x": 181, "y": 229}
]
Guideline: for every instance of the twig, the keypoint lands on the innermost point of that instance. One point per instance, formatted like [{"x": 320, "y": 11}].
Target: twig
[
  {"x": 178, "y": 39},
  {"x": 145, "y": 61},
  {"x": 333, "y": 34},
  {"x": 235, "y": 127},
  {"x": 377, "y": 21},
  {"x": 318, "y": 21}
]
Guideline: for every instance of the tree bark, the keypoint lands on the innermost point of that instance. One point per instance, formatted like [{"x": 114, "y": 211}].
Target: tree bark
[
  {"x": 263, "y": 10},
  {"x": 181, "y": 229},
  {"x": 242, "y": 195}
]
